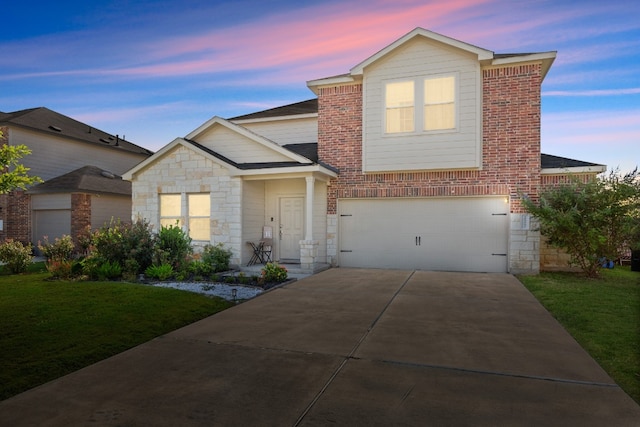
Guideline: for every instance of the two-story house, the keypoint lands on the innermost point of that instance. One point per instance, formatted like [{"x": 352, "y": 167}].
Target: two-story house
[
  {"x": 81, "y": 168},
  {"x": 417, "y": 158}
]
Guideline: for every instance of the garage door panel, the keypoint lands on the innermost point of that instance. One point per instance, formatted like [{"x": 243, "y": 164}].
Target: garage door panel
[
  {"x": 52, "y": 223},
  {"x": 457, "y": 234}
]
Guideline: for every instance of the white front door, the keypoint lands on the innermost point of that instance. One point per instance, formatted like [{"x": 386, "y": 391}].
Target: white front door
[{"x": 291, "y": 227}]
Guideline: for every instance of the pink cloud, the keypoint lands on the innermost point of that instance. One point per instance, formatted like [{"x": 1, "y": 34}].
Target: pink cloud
[{"x": 345, "y": 34}]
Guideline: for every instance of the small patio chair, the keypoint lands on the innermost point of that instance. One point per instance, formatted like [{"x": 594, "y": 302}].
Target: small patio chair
[{"x": 266, "y": 244}]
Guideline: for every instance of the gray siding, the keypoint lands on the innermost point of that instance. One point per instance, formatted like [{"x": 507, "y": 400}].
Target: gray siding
[
  {"x": 52, "y": 156},
  {"x": 105, "y": 208},
  {"x": 293, "y": 131}
]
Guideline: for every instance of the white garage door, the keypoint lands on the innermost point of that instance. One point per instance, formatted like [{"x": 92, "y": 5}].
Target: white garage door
[
  {"x": 51, "y": 223},
  {"x": 449, "y": 234}
]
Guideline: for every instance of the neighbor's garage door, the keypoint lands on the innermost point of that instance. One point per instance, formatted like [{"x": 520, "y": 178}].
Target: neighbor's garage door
[
  {"x": 52, "y": 223},
  {"x": 451, "y": 234}
]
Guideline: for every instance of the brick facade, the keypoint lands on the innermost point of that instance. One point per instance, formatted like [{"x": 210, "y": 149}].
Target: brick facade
[
  {"x": 510, "y": 144},
  {"x": 510, "y": 155},
  {"x": 80, "y": 214},
  {"x": 16, "y": 213}
]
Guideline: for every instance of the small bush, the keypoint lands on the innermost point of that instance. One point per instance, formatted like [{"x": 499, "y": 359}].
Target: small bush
[
  {"x": 160, "y": 272},
  {"x": 15, "y": 255},
  {"x": 62, "y": 249},
  {"x": 60, "y": 268},
  {"x": 217, "y": 257},
  {"x": 274, "y": 273},
  {"x": 109, "y": 271},
  {"x": 124, "y": 243},
  {"x": 200, "y": 268},
  {"x": 174, "y": 244}
]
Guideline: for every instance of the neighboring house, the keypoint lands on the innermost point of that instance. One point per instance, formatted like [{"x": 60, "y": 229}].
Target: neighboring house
[
  {"x": 416, "y": 159},
  {"x": 81, "y": 168}
]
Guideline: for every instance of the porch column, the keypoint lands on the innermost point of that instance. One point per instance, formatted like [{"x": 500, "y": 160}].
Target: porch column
[
  {"x": 308, "y": 246},
  {"x": 308, "y": 235}
]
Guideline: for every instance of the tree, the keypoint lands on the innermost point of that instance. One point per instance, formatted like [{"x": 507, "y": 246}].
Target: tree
[
  {"x": 14, "y": 175},
  {"x": 591, "y": 220}
]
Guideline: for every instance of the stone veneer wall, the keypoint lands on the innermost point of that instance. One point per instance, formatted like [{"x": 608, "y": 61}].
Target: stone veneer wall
[
  {"x": 183, "y": 171},
  {"x": 510, "y": 155}
]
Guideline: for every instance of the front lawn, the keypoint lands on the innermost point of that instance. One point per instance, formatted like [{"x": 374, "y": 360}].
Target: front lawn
[
  {"x": 603, "y": 315},
  {"x": 51, "y": 328}
]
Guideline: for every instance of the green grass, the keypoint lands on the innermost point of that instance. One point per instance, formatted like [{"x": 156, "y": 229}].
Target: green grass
[
  {"x": 51, "y": 328},
  {"x": 603, "y": 315}
]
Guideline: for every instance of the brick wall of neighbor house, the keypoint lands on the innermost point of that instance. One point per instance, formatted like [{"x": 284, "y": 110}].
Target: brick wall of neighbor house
[
  {"x": 80, "y": 214},
  {"x": 510, "y": 154},
  {"x": 17, "y": 224}
]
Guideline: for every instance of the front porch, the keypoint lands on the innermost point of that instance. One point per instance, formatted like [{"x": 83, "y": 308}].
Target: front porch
[
  {"x": 294, "y": 270},
  {"x": 290, "y": 211}
]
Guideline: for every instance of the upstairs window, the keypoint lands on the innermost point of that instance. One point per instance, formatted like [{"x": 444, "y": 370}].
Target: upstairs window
[
  {"x": 399, "y": 98},
  {"x": 439, "y": 103},
  {"x": 426, "y": 104}
]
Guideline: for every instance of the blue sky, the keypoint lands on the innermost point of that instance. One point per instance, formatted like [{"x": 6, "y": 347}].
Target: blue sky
[{"x": 155, "y": 70}]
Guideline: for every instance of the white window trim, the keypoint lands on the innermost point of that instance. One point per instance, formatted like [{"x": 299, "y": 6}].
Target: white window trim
[
  {"x": 419, "y": 104},
  {"x": 184, "y": 218}
]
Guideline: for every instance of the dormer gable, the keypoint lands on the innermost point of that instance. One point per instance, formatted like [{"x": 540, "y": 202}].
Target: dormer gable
[{"x": 479, "y": 53}]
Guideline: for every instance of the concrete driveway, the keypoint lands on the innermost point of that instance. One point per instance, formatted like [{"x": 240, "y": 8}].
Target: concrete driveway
[{"x": 348, "y": 347}]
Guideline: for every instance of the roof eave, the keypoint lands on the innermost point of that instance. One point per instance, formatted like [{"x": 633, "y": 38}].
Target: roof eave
[
  {"x": 546, "y": 58},
  {"x": 574, "y": 170},
  {"x": 275, "y": 118},
  {"x": 314, "y": 85},
  {"x": 315, "y": 169}
]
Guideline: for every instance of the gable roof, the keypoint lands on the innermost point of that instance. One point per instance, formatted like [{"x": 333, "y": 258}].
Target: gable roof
[
  {"x": 310, "y": 106},
  {"x": 237, "y": 168},
  {"x": 482, "y": 54},
  {"x": 88, "y": 179},
  {"x": 46, "y": 121},
  {"x": 485, "y": 57},
  {"x": 247, "y": 133}
]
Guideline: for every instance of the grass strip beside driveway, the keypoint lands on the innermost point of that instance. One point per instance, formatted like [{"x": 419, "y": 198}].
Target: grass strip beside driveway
[
  {"x": 51, "y": 328},
  {"x": 603, "y": 315}
]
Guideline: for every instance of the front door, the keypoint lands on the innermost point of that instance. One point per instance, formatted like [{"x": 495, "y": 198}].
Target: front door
[{"x": 291, "y": 227}]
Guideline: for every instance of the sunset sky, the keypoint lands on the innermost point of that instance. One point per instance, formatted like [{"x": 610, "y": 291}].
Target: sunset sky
[{"x": 155, "y": 70}]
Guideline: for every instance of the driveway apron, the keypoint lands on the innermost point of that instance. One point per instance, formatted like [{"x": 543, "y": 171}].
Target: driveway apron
[{"x": 348, "y": 347}]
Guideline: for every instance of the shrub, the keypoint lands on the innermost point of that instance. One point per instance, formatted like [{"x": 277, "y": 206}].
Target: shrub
[
  {"x": 274, "y": 273},
  {"x": 173, "y": 246},
  {"x": 200, "y": 268},
  {"x": 60, "y": 268},
  {"x": 108, "y": 271},
  {"x": 217, "y": 257},
  {"x": 590, "y": 220},
  {"x": 15, "y": 255},
  {"x": 123, "y": 243},
  {"x": 61, "y": 249},
  {"x": 160, "y": 272}
]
